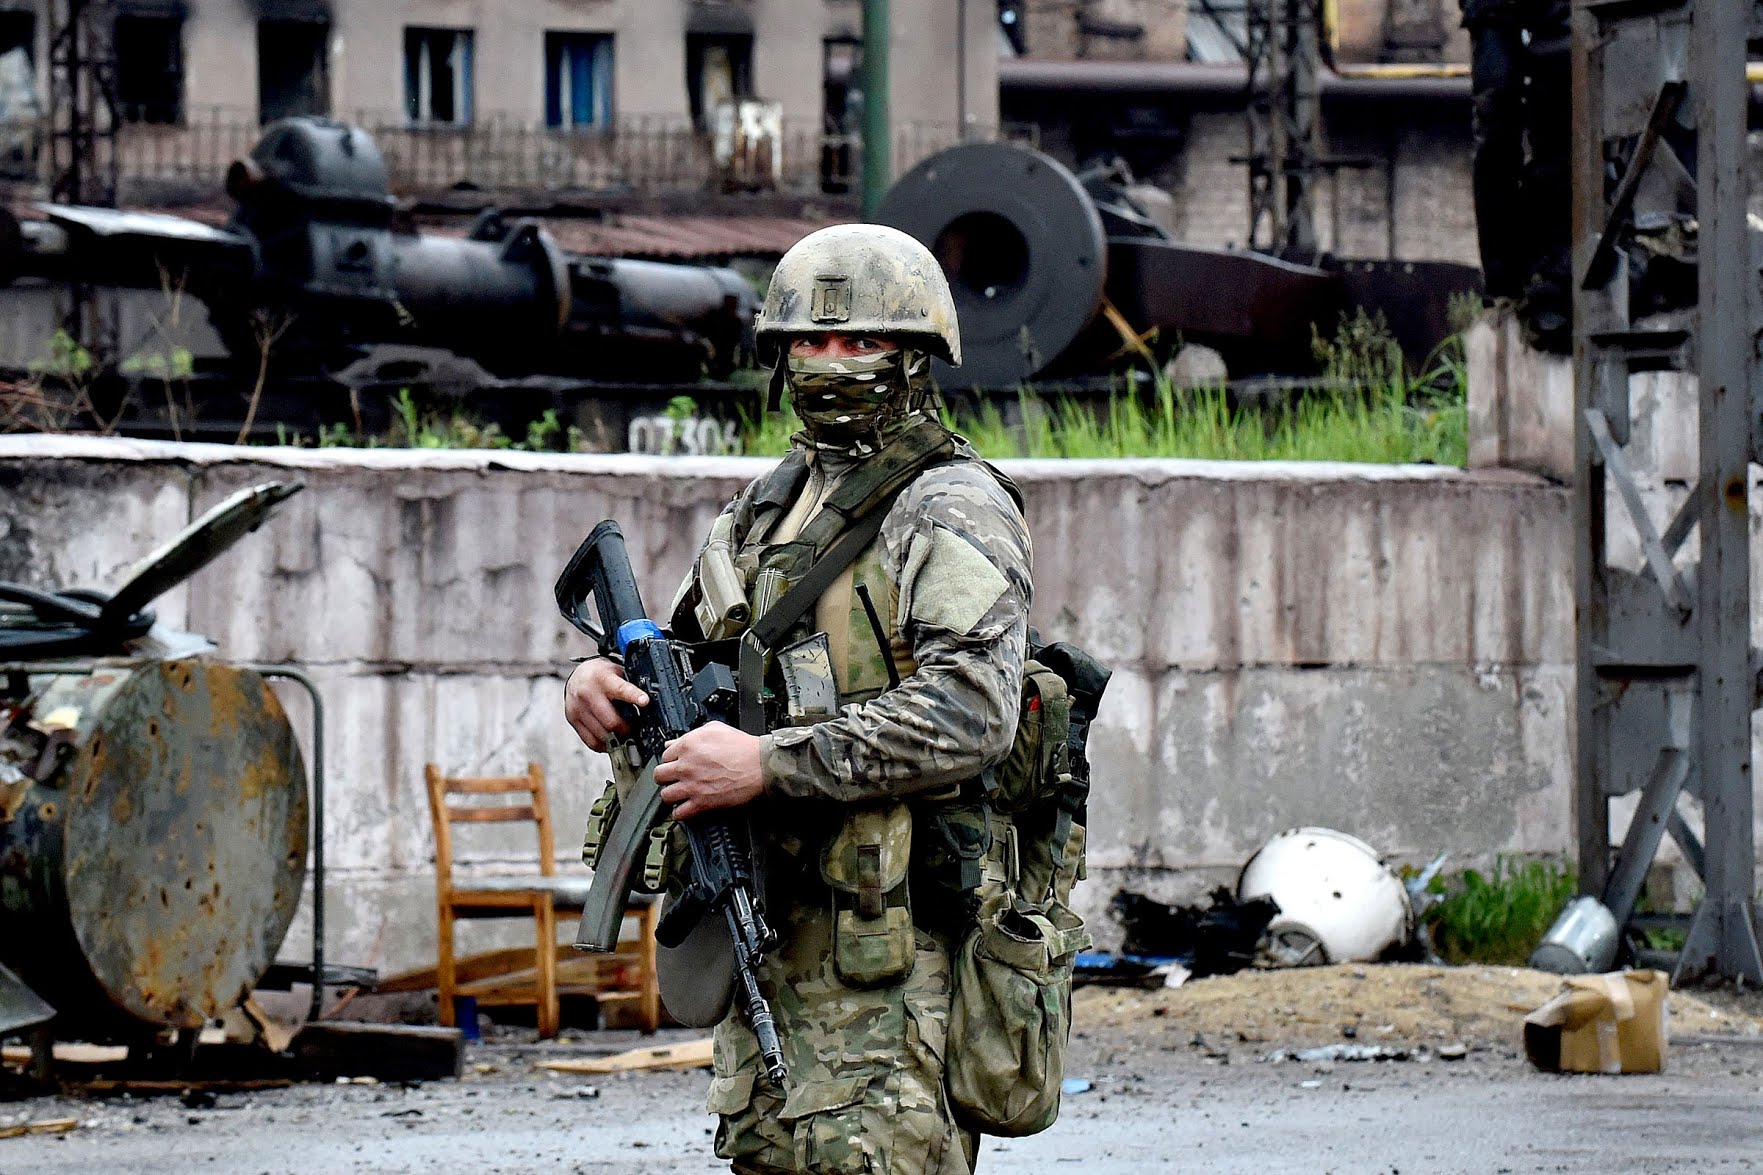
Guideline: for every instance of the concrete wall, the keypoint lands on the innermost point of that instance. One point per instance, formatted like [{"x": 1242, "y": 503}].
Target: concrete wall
[{"x": 1381, "y": 649}]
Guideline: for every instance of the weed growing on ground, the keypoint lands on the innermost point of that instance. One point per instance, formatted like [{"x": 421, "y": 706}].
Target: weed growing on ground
[
  {"x": 1370, "y": 410},
  {"x": 413, "y": 428},
  {"x": 1499, "y": 918},
  {"x": 1397, "y": 423}
]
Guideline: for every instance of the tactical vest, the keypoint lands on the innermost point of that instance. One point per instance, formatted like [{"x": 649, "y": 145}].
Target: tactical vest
[{"x": 1018, "y": 826}]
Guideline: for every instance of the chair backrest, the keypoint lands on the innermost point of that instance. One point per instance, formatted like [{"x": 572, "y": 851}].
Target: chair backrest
[{"x": 534, "y": 807}]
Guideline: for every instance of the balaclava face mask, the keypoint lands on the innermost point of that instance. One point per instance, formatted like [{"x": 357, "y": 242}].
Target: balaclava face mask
[{"x": 857, "y": 405}]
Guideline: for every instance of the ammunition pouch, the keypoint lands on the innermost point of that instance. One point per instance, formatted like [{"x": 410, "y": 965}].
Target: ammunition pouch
[
  {"x": 657, "y": 859},
  {"x": 865, "y": 866},
  {"x": 811, "y": 694},
  {"x": 952, "y": 839},
  {"x": 600, "y": 818}
]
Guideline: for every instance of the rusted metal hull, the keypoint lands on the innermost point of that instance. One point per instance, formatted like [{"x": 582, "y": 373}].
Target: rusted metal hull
[{"x": 150, "y": 870}]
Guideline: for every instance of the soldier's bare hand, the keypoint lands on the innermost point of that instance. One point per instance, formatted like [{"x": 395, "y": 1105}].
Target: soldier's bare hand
[
  {"x": 714, "y": 766},
  {"x": 588, "y": 699}
]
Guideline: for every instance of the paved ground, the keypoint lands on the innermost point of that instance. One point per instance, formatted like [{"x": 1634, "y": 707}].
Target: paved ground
[{"x": 1155, "y": 1106}]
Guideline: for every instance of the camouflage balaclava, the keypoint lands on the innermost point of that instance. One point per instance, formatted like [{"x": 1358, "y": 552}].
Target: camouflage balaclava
[{"x": 856, "y": 405}]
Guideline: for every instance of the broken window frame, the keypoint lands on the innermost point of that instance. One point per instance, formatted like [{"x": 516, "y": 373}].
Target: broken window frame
[
  {"x": 316, "y": 95},
  {"x": 738, "y": 48},
  {"x": 422, "y": 45},
  {"x": 150, "y": 92},
  {"x": 841, "y": 119},
  {"x": 21, "y": 115},
  {"x": 579, "y": 67}
]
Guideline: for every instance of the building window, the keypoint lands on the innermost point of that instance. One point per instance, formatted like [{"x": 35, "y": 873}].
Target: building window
[
  {"x": 578, "y": 80},
  {"x": 18, "y": 73},
  {"x": 150, "y": 68},
  {"x": 719, "y": 69},
  {"x": 293, "y": 68},
  {"x": 841, "y": 78},
  {"x": 437, "y": 76}
]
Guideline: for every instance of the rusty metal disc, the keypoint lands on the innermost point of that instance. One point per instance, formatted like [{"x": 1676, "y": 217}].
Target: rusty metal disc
[
  {"x": 1023, "y": 248},
  {"x": 178, "y": 854}
]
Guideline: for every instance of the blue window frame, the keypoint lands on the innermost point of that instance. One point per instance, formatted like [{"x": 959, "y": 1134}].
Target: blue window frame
[{"x": 578, "y": 80}]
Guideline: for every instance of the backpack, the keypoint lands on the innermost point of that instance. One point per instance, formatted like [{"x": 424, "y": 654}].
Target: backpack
[{"x": 1010, "y": 1008}]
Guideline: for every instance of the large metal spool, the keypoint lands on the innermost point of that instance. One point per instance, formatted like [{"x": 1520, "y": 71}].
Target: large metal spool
[
  {"x": 1023, "y": 247},
  {"x": 147, "y": 881},
  {"x": 1059, "y": 275}
]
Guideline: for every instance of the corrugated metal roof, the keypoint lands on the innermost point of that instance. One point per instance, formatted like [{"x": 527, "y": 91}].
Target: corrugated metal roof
[{"x": 683, "y": 237}]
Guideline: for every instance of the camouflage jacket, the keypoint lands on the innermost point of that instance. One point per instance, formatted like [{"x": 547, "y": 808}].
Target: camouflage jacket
[{"x": 950, "y": 577}]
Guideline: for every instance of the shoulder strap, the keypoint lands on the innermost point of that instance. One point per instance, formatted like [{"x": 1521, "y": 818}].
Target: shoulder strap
[{"x": 771, "y": 492}]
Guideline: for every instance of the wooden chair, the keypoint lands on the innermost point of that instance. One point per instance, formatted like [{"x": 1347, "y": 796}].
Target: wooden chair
[{"x": 550, "y": 969}]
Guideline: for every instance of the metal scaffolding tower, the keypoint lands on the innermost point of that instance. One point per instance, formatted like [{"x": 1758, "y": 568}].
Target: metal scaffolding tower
[
  {"x": 82, "y": 102},
  {"x": 1284, "y": 56},
  {"x": 1667, "y": 676}
]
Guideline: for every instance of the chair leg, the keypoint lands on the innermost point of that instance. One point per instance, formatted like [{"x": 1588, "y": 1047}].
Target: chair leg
[
  {"x": 545, "y": 962},
  {"x": 651, "y": 1002},
  {"x": 445, "y": 981}
]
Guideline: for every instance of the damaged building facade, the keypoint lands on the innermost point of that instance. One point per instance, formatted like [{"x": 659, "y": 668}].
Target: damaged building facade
[
  {"x": 195, "y": 79},
  {"x": 1164, "y": 84}
]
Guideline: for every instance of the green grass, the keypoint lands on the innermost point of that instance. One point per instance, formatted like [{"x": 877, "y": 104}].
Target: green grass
[
  {"x": 1387, "y": 425},
  {"x": 1500, "y": 918},
  {"x": 414, "y": 427},
  {"x": 1379, "y": 414}
]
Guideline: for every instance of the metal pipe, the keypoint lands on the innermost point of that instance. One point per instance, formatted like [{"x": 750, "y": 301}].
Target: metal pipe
[
  {"x": 299, "y": 678},
  {"x": 1186, "y": 77},
  {"x": 878, "y": 167},
  {"x": 961, "y": 70}
]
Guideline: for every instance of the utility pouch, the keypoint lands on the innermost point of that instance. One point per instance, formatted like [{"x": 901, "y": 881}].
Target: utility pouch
[
  {"x": 781, "y": 567},
  {"x": 810, "y": 693},
  {"x": 600, "y": 818},
  {"x": 1011, "y": 1011},
  {"x": 657, "y": 859},
  {"x": 953, "y": 838},
  {"x": 864, "y": 865},
  {"x": 1034, "y": 767}
]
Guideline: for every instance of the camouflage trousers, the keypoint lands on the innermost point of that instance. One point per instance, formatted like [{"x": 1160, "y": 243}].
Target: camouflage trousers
[{"x": 865, "y": 1091}]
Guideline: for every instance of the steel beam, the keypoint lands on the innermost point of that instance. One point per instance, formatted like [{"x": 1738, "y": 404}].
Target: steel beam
[
  {"x": 1723, "y": 939},
  {"x": 1705, "y": 747}
]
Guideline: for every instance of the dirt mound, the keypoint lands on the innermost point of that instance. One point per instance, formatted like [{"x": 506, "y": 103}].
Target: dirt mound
[{"x": 1396, "y": 1003}]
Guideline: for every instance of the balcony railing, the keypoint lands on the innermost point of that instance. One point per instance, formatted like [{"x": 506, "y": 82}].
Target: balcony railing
[{"x": 640, "y": 154}]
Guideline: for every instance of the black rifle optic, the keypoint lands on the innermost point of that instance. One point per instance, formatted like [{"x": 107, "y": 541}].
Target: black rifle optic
[{"x": 722, "y": 876}]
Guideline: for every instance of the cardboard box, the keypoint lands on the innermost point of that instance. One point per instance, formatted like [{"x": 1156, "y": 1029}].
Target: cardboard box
[{"x": 1601, "y": 1024}]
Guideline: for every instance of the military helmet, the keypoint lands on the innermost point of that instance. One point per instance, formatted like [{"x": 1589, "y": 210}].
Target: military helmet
[{"x": 863, "y": 279}]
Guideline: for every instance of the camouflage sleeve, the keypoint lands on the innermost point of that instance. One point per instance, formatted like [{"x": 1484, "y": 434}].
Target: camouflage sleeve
[{"x": 961, "y": 558}]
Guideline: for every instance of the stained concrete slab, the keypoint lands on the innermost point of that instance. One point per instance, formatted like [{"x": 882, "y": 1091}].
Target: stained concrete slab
[{"x": 1383, "y": 648}]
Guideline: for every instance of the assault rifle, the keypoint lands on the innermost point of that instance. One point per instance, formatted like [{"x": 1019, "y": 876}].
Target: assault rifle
[{"x": 722, "y": 879}]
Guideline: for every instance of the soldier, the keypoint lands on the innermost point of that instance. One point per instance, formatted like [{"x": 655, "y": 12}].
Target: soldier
[{"x": 901, "y": 682}]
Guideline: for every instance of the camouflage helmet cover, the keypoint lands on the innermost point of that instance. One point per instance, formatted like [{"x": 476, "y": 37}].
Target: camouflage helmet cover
[{"x": 864, "y": 279}]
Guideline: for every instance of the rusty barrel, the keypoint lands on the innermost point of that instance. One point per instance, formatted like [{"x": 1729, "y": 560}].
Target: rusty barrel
[{"x": 151, "y": 862}]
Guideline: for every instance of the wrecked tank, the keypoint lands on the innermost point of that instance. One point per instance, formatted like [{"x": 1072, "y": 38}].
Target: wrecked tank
[{"x": 153, "y": 804}]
